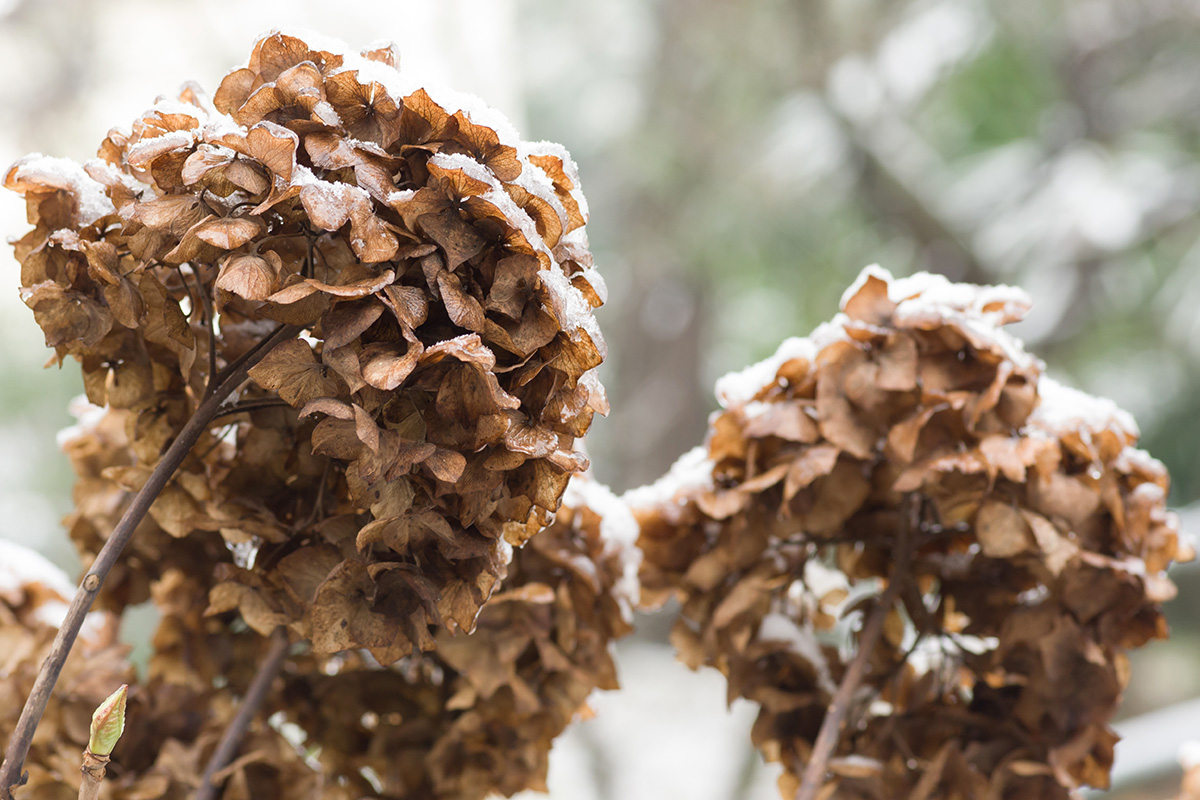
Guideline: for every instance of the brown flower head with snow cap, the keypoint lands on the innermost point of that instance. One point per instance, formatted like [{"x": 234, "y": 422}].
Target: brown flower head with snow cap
[
  {"x": 422, "y": 424},
  {"x": 1032, "y": 539}
]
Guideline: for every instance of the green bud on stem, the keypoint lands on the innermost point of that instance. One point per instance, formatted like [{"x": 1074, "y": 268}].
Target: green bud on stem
[{"x": 108, "y": 723}]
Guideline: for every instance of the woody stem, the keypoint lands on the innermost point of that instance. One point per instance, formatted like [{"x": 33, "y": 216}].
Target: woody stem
[
  {"x": 232, "y": 737},
  {"x": 835, "y": 716},
  {"x": 94, "y": 768}
]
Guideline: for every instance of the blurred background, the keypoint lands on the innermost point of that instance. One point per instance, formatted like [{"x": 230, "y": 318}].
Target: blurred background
[{"x": 743, "y": 161}]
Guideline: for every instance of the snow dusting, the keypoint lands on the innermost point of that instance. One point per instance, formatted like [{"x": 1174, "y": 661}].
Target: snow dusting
[
  {"x": 65, "y": 174},
  {"x": 690, "y": 473},
  {"x": 570, "y": 306},
  {"x": 936, "y": 653},
  {"x": 802, "y": 641},
  {"x": 164, "y": 106},
  {"x": 534, "y": 180},
  {"x": 401, "y": 83},
  {"x": 330, "y": 196},
  {"x": 504, "y": 552},
  {"x": 1131, "y": 459},
  {"x": 87, "y": 417},
  {"x": 821, "y": 580},
  {"x": 468, "y": 166},
  {"x": 619, "y": 530},
  {"x": 141, "y": 153},
  {"x": 401, "y": 196},
  {"x": 21, "y": 567},
  {"x": 927, "y": 300},
  {"x": 218, "y": 126},
  {"x": 1062, "y": 409},
  {"x": 741, "y": 386},
  {"x": 570, "y": 169}
]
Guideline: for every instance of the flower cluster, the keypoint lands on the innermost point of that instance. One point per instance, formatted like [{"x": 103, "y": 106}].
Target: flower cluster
[
  {"x": 479, "y": 715},
  {"x": 912, "y": 443},
  {"x": 381, "y": 466},
  {"x": 177, "y": 718}
]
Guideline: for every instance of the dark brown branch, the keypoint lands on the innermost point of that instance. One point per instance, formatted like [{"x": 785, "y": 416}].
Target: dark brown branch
[
  {"x": 35, "y": 706},
  {"x": 232, "y": 738},
  {"x": 210, "y": 323},
  {"x": 242, "y": 364},
  {"x": 247, "y": 406},
  {"x": 835, "y": 715},
  {"x": 310, "y": 266}
]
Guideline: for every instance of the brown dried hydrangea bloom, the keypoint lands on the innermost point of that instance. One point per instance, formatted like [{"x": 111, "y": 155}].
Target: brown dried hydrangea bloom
[
  {"x": 911, "y": 443},
  {"x": 480, "y": 714},
  {"x": 176, "y": 717},
  {"x": 380, "y": 467}
]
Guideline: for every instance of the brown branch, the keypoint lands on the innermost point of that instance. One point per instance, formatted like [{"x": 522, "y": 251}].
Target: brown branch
[
  {"x": 232, "y": 738},
  {"x": 93, "y": 769},
  {"x": 222, "y": 384},
  {"x": 835, "y": 715},
  {"x": 22, "y": 735},
  {"x": 246, "y": 406}
]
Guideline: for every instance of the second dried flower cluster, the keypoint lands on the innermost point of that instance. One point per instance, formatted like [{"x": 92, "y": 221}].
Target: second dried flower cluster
[{"x": 912, "y": 443}]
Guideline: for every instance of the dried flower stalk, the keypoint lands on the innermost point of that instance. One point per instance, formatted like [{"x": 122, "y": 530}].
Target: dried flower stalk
[{"x": 210, "y": 787}]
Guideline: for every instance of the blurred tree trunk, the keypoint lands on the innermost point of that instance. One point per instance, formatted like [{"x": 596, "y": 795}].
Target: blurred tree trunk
[{"x": 659, "y": 405}]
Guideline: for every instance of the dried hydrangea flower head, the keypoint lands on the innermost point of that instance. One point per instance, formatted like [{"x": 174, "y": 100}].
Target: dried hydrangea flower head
[
  {"x": 1032, "y": 538},
  {"x": 176, "y": 716},
  {"x": 387, "y": 460},
  {"x": 479, "y": 715}
]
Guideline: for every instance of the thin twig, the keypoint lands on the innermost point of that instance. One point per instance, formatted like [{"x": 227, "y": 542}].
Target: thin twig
[
  {"x": 22, "y": 735},
  {"x": 835, "y": 715},
  {"x": 212, "y": 353},
  {"x": 231, "y": 739},
  {"x": 310, "y": 266},
  {"x": 207, "y": 316},
  {"x": 246, "y": 406},
  {"x": 210, "y": 322},
  {"x": 241, "y": 365},
  {"x": 319, "y": 504},
  {"x": 216, "y": 442},
  {"x": 193, "y": 303}
]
